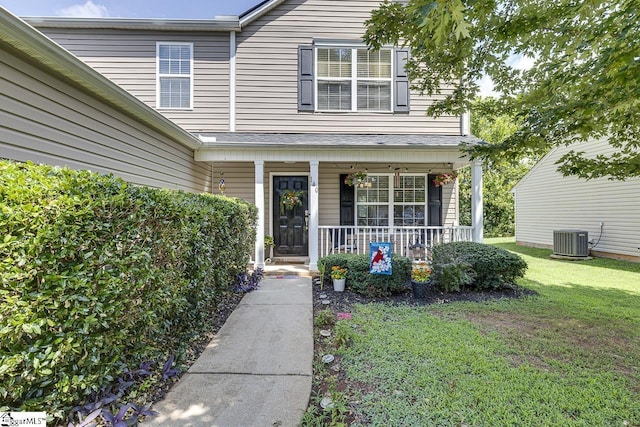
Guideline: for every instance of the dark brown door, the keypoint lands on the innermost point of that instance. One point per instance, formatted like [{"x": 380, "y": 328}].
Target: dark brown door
[{"x": 290, "y": 205}]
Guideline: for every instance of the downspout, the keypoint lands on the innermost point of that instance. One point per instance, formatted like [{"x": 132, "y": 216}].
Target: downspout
[{"x": 232, "y": 81}]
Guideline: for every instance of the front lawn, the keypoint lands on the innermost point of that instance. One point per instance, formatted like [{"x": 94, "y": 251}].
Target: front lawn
[{"x": 569, "y": 356}]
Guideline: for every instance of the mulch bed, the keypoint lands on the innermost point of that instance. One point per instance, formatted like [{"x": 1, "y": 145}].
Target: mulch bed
[{"x": 344, "y": 301}]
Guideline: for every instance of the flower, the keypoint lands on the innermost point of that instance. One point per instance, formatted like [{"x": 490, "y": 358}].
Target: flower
[
  {"x": 289, "y": 199},
  {"x": 420, "y": 272},
  {"x": 343, "y": 316},
  {"x": 338, "y": 272},
  {"x": 355, "y": 178},
  {"x": 445, "y": 178}
]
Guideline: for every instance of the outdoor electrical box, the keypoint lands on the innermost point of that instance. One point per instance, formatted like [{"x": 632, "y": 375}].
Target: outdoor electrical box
[{"x": 573, "y": 243}]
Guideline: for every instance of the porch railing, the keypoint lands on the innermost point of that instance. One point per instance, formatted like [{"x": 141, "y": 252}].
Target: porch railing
[{"x": 414, "y": 242}]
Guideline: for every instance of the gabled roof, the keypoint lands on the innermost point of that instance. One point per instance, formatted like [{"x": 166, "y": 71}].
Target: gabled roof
[
  {"x": 257, "y": 11},
  {"x": 265, "y": 6},
  {"x": 56, "y": 60}
]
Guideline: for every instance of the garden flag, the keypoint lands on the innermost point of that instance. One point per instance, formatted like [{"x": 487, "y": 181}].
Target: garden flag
[{"x": 380, "y": 258}]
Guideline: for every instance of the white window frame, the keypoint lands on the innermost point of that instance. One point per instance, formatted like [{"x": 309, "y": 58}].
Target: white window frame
[
  {"x": 159, "y": 76},
  {"x": 353, "y": 79},
  {"x": 391, "y": 202}
]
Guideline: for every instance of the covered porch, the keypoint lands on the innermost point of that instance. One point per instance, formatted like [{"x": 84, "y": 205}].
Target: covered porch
[{"x": 310, "y": 202}]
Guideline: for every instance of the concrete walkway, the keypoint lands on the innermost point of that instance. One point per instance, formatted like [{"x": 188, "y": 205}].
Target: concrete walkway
[{"x": 257, "y": 370}]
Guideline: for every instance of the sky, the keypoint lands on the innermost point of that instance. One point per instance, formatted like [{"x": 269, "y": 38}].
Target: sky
[{"x": 186, "y": 9}]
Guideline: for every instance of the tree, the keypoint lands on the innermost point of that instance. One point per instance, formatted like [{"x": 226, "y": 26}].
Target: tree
[
  {"x": 585, "y": 82},
  {"x": 491, "y": 124}
]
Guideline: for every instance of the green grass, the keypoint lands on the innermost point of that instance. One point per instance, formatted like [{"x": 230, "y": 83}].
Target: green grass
[{"x": 569, "y": 356}]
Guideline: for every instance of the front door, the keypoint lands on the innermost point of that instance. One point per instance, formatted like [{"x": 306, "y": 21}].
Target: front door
[{"x": 290, "y": 206}]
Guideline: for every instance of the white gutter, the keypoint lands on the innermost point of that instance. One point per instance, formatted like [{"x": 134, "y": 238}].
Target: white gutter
[
  {"x": 219, "y": 23},
  {"x": 50, "y": 55},
  {"x": 232, "y": 81},
  {"x": 255, "y": 14}
]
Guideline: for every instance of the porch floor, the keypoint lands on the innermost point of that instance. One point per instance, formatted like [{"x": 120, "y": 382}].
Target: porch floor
[{"x": 288, "y": 269}]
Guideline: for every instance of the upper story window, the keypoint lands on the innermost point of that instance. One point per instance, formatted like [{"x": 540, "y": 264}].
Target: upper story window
[
  {"x": 353, "y": 79},
  {"x": 340, "y": 79},
  {"x": 174, "y": 75}
]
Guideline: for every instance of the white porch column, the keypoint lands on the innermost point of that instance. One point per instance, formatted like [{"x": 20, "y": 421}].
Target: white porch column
[
  {"x": 313, "y": 215},
  {"x": 476, "y": 201},
  {"x": 259, "y": 196}
]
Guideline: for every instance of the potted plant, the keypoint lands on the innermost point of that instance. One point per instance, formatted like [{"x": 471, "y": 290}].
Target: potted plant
[
  {"x": 269, "y": 243},
  {"x": 420, "y": 273},
  {"x": 445, "y": 178},
  {"x": 339, "y": 276},
  {"x": 355, "y": 178}
]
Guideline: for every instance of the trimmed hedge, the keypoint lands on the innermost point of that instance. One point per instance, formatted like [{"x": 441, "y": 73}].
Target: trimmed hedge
[
  {"x": 458, "y": 265},
  {"x": 98, "y": 275},
  {"x": 361, "y": 281}
]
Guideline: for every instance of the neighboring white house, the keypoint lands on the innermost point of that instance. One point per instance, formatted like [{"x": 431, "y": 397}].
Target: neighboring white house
[{"x": 609, "y": 210}]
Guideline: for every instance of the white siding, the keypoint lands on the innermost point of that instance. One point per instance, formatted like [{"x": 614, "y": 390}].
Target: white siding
[
  {"x": 129, "y": 59},
  {"x": 46, "y": 120},
  {"x": 547, "y": 201},
  {"x": 267, "y": 73}
]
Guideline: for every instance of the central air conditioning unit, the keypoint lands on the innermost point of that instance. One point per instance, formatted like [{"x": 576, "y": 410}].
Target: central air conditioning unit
[{"x": 574, "y": 243}]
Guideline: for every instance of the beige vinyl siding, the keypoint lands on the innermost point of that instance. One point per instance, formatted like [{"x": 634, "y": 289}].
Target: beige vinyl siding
[
  {"x": 239, "y": 181},
  {"x": 547, "y": 201},
  {"x": 267, "y": 73},
  {"x": 46, "y": 120},
  {"x": 129, "y": 59}
]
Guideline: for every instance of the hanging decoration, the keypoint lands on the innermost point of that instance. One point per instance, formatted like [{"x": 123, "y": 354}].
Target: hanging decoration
[
  {"x": 356, "y": 178},
  {"x": 289, "y": 199},
  {"x": 396, "y": 178},
  {"x": 445, "y": 178},
  {"x": 221, "y": 186}
]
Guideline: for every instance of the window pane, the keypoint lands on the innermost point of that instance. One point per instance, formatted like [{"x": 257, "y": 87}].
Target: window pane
[
  {"x": 174, "y": 59},
  {"x": 373, "y": 209},
  {"x": 374, "y": 65},
  {"x": 175, "y": 93},
  {"x": 334, "y": 95},
  {"x": 374, "y": 95},
  {"x": 164, "y": 66},
  {"x": 334, "y": 62},
  {"x": 408, "y": 215}
]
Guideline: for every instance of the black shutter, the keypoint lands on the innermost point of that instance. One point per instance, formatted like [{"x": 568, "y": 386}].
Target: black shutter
[
  {"x": 347, "y": 202},
  {"x": 401, "y": 82},
  {"x": 434, "y": 198},
  {"x": 305, "y": 78}
]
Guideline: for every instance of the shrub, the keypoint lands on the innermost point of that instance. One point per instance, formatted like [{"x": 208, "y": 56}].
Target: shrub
[
  {"x": 361, "y": 281},
  {"x": 325, "y": 264},
  {"x": 480, "y": 266},
  {"x": 452, "y": 275},
  {"x": 98, "y": 275}
]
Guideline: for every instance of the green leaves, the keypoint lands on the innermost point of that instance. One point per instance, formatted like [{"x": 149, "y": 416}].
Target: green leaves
[
  {"x": 584, "y": 83},
  {"x": 96, "y": 275}
]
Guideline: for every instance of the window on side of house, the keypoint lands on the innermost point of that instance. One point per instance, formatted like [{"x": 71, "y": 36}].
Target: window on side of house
[
  {"x": 406, "y": 204},
  {"x": 174, "y": 75},
  {"x": 354, "y": 79}
]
